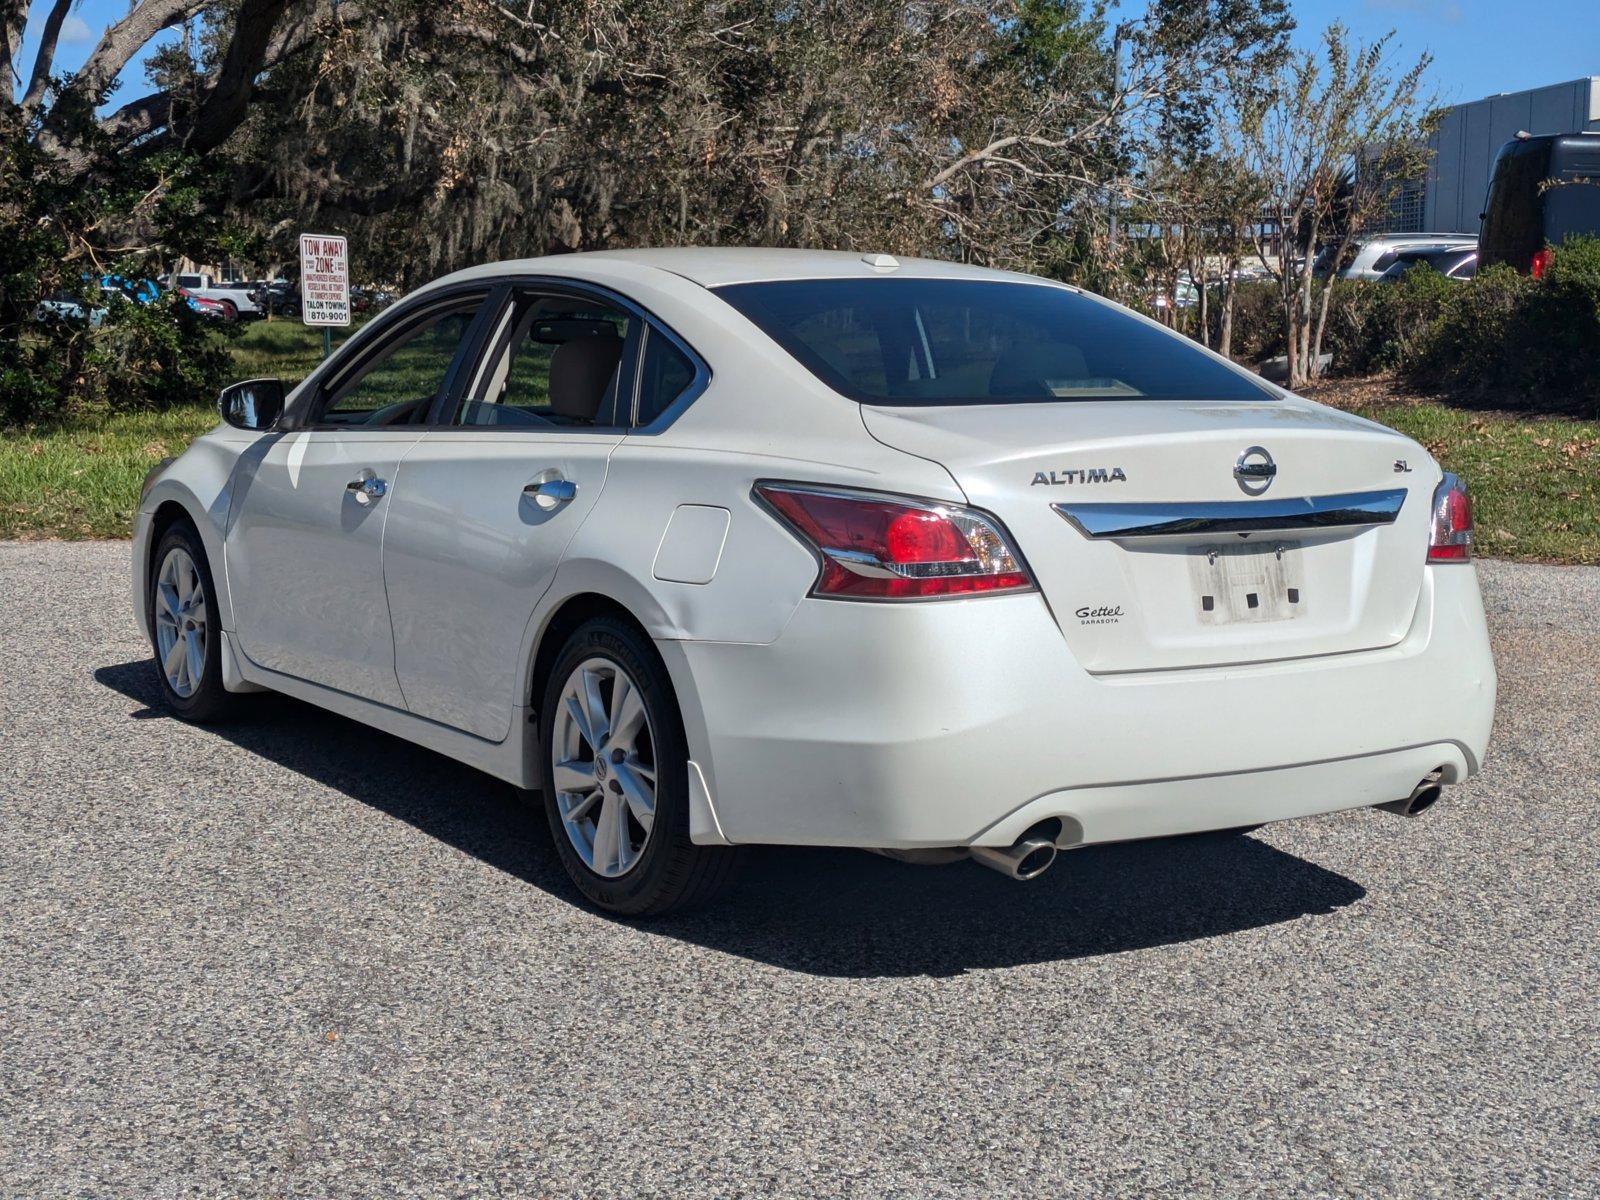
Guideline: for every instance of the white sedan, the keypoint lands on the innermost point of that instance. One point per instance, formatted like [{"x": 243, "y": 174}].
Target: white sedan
[{"x": 721, "y": 547}]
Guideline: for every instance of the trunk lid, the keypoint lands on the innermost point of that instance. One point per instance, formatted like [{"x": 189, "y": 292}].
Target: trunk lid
[{"x": 1152, "y": 552}]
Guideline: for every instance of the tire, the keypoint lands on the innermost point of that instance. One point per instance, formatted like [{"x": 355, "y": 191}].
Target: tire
[
  {"x": 200, "y": 699},
  {"x": 230, "y": 311},
  {"x": 667, "y": 872}
]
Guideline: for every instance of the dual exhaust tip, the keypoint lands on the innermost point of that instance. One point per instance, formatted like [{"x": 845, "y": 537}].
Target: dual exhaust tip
[{"x": 1031, "y": 855}]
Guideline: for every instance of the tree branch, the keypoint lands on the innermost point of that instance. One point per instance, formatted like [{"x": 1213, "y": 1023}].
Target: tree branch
[
  {"x": 120, "y": 42},
  {"x": 45, "y": 58},
  {"x": 223, "y": 106},
  {"x": 13, "y": 20}
]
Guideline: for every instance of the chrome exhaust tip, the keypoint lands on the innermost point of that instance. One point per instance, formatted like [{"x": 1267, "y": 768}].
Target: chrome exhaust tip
[
  {"x": 1028, "y": 859},
  {"x": 1423, "y": 797}
]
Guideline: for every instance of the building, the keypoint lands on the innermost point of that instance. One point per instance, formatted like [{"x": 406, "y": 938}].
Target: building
[{"x": 1466, "y": 141}]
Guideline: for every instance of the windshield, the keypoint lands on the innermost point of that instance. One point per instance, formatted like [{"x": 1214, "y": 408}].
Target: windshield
[{"x": 959, "y": 341}]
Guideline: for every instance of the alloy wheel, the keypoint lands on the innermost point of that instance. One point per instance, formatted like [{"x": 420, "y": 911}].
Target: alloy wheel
[
  {"x": 603, "y": 761},
  {"x": 180, "y": 612}
]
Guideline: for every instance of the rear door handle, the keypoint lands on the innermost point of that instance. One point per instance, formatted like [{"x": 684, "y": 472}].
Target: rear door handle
[{"x": 551, "y": 493}]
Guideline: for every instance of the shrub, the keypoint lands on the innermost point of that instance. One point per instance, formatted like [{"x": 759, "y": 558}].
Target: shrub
[
  {"x": 1257, "y": 321},
  {"x": 55, "y": 230},
  {"x": 138, "y": 358},
  {"x": 1517, "y": 342},
  {"x": 1502, "y": 339},
  {"x": 1383, "y": 326}
]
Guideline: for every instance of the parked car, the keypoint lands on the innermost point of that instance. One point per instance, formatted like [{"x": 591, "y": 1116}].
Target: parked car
[
  {"x": 235, "y": 296},
  {"x": 66, "y": 306},
  {"x": 1369, "y": 257},
  {"x": 1185, "y": 294},
  {"x": 62, "y": 305},
  {"x": 1451, "y": 262},
  {"x": 280, "y": 297},
  {"x": 719, "y": 547},
  {"x": 206, "y": 306},
  {"x": 1543, "y": 190}
]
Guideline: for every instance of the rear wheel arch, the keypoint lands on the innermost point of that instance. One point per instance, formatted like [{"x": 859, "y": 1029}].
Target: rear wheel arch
[{"x": 560, "y": 625}]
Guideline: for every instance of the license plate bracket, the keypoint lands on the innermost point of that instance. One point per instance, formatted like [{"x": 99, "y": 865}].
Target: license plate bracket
[{"x": 1248, "y": 582}]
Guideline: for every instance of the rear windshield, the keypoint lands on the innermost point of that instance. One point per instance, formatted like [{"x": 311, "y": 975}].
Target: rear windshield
[{"x": 958, "y": 341}]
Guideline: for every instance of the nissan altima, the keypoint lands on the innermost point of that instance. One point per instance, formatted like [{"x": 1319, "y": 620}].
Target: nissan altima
[{"x": 721, "y": 547}]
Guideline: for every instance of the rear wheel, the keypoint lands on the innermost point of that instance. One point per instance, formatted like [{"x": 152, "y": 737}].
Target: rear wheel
[
  {"x": 184, "y": 629},
  {"x": 616, "y": 782}
]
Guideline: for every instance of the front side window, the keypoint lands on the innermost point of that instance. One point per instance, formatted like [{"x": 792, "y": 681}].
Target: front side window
[
  {"x": 562, "y": 361},
  {"x": 958, "y": 341},
  {"x": 400, "y": 384}
]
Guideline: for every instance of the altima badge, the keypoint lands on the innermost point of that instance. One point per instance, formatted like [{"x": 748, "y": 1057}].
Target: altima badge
[
  {"x": 1255, "y": 471},
  {"x": 1088, "y": 475}
]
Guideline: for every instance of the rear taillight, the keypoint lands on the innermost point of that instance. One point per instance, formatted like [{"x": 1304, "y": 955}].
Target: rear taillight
[
  {"x": 1450, "y": 535},
  {"x": 877, "y": 547},
  {"x": 1541, "y": 261}
]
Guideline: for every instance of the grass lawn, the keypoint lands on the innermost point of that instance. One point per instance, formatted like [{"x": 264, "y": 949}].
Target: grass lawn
[
  {"x": 1535, "y": 480},
  {"x": 81, "y": 479}
]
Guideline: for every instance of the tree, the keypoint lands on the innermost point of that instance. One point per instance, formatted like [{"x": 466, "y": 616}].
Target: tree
[
  {"x": 1325, "y": 114},
  {"x": 436, "y": 135}
]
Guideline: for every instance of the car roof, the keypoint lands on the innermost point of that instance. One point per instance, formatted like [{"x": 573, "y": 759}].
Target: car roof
[
  {"x": 1396, "y": 238},
  {"x": 715, "y": 266}
]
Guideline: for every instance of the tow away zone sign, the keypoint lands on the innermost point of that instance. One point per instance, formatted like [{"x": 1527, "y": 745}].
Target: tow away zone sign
[{"x": 324, "y": 280}]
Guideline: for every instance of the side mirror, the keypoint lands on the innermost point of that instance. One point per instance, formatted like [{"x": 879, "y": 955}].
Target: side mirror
[{"x": 255, "y": 404}]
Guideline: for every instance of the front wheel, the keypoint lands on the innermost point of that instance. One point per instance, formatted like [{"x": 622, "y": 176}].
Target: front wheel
[
  {"x": 185, "y": 631},
  {"x": 616, "y": 776}
]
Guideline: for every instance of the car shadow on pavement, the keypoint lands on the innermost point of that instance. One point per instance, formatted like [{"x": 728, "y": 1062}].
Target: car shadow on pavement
[{"x": 824, "y": 912}]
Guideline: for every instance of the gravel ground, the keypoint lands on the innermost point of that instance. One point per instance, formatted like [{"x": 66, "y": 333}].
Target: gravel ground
[{"x": 299, "y": 958}]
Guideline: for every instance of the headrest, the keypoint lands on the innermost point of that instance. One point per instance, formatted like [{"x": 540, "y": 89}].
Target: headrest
[{"x": 580, "y": 373}]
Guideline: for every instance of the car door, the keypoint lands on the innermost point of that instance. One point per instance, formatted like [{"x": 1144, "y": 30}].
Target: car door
[
  {"x": 495, "y": 491},
  {"x": 304, "y": 547}
]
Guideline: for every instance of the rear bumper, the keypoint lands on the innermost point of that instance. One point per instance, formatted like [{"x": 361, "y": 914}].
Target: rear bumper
[{"x": 966, "y": 722}]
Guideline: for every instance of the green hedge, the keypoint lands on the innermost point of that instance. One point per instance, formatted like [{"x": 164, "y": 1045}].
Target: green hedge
[{"x": 1503, "y": 340}]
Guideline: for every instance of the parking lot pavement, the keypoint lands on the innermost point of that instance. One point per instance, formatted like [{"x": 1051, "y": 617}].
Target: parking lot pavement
[{"x": 298, "y": 958}]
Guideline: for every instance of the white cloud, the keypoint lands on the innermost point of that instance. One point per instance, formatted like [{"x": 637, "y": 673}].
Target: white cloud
[{"x": 75, "y": 31}]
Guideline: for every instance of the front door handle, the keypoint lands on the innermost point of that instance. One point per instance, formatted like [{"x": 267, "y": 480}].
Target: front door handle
[
  {"x": 367, "y": 489},
  {"x": 551, "y": 494}
]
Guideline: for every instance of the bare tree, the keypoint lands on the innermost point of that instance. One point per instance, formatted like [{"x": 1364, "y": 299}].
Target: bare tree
[{"x": 1327, "y": 111}]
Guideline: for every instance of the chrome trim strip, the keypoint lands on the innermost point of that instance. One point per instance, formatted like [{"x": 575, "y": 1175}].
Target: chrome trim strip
[{"x": 1351, "y": 510}]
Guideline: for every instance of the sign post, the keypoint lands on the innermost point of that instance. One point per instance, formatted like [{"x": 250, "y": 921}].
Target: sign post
[{"x": 324, "y": 284}]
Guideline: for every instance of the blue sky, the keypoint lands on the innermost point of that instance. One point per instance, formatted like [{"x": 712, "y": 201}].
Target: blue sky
[{"x": 1480, "y": 47}]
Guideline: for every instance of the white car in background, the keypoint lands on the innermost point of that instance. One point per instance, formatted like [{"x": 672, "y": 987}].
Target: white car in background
[
  {"x": 720, "y": 547},
  {"x": 1369, "y": 257},
  {"x": 238, "y": 296}
]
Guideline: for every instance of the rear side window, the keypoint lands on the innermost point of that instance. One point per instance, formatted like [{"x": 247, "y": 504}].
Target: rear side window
[
  {"x": 958, "y": 342},
  {"x": 666, "y": 375},
  {"x": 1572, "y": 208}
]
